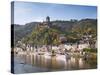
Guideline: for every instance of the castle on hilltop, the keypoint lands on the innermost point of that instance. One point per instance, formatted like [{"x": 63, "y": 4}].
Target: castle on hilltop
[{"x": 45, "y": 23}]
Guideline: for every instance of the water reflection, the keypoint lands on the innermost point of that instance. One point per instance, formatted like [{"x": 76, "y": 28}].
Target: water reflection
[{"x": 54, "y": 63}]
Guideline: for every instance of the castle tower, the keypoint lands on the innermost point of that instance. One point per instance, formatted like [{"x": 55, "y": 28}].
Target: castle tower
[{"x": 48, "y": 19}]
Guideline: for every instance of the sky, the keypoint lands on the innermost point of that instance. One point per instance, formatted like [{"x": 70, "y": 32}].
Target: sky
[{"x": 25, "y": 12}]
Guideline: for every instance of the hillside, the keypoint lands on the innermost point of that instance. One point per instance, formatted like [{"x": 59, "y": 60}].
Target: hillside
[
  {"x": 71, "y": 29},
  {"x": 21, "y": 31},
  {"x": 40, "y": 36}
]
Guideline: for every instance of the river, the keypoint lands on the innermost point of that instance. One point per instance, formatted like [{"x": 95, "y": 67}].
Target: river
[{"x": 45, "y": 63}]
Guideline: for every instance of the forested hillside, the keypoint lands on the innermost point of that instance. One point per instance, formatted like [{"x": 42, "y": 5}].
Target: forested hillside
[{"x": 73, "y": 31}]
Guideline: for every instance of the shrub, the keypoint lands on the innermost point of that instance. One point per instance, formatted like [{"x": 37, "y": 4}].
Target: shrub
[{"x": 90, "y": 49}]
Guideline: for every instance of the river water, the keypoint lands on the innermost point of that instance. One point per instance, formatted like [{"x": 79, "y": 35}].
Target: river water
[{"x": 46, "y": 63}]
